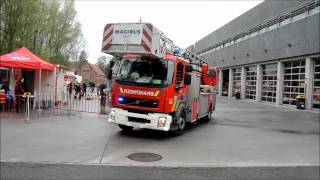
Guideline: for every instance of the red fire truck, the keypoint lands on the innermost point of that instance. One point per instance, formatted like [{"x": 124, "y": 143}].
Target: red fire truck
[{"x": 158, "y": 85}]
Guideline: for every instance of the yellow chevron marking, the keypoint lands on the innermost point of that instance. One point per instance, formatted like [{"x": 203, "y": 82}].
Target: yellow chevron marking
[
  {"x": 177, "y": 105},
  {"x": 174, "y": 103},
  {"x": 156, "y": 93}
]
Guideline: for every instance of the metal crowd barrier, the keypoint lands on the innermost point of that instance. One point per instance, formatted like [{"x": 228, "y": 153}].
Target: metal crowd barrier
[
  {"x": 89, "y": 103},
  {"x": 27, "y": 107}
]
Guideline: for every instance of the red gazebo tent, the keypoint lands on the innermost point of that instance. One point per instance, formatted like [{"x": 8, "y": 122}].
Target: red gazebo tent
[{"x": 24, "y": 59}]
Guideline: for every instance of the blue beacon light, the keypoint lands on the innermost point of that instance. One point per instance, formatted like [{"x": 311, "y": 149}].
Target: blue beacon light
[{"x": 120, "y": 99}]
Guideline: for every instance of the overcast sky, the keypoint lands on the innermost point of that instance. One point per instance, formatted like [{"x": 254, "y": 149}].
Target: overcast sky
[{"x": 185, "y": 22}]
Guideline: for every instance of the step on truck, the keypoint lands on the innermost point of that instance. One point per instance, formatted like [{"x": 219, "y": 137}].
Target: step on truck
[{"x": 158, "y": 85}]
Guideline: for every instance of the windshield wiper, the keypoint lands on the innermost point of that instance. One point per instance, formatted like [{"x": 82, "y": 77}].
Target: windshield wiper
[
  {"x": 150, "y": 85},
  {"x": 122, "y": 82},
  {"x": 125, "y": 82}
]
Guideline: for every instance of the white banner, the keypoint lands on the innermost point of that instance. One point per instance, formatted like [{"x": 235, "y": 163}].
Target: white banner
[{"x": 127, "y": 33}]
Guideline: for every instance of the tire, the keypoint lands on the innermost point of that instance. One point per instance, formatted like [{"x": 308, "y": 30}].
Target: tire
[
  {"x": 208, "y": 117},
  {"x": 125, "y": 128},
  {"x": 181, "y": 125}
]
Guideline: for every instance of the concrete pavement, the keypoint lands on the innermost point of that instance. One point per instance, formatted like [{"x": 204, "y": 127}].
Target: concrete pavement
[{"x": 242, "y": 134}]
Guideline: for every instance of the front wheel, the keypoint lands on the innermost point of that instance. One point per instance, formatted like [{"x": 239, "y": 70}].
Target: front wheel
[
  {"x": 181, "y": 125},
  {"x": 125, "y": 128}
]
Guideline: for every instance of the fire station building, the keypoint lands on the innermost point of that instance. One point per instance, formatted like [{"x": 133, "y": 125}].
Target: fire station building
[{"x": 269, "y": 54}]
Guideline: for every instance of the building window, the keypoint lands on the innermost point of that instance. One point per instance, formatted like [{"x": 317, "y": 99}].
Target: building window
[
  {"x": 245, "y": 37},
  {"x": 294, "y": 81},
  {"x": 263, "y": 30},
  {"x": 251, "y": 82},
  {"x": 269, "y": 82},
  {"x": 314, "y": 10},
  {"x": 299, "y": 16},
  {"x": 227, "y": 43},
  {"x": 236, "y": 80},
  {"x": 253, "y": 34},
  {"x": 316, "y": 84},
  {"x": 285, "y": 21},
  {"x": 274, "y": 26},
  {"x": 238, "y": 40}
]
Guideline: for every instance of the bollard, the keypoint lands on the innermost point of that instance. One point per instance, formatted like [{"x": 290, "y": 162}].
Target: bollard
[
  {"x": 28, "y": 110},
  {"x": 69, "y": 105}
]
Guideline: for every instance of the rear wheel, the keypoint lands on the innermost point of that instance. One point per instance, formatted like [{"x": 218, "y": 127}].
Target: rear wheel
[
  {"x": 209, "y": 116},
  {"x": 125, "y": 128}
]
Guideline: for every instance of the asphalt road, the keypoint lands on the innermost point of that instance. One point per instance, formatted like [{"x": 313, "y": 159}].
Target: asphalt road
[
  {"x": 32, "y": 171},
  {"x": 244, "y": 140}
]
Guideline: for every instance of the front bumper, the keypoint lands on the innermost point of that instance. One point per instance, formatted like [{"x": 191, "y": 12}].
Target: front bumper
[{"x": 121, "y": 116}]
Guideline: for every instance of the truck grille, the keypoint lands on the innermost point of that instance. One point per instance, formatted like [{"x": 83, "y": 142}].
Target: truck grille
[
  {"x": 138, "y": 120},
  {"x": 139, "y": 102}
]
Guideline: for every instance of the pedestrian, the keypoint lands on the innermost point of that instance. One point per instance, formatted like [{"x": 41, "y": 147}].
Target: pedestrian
[
  {"x": 5, "y": 87},
  {"x": 81, "y": 91},
  {"x": 3, "y": 99},
  {"x": 77, "y": 89},
  {"x": 102, "y": 92},
  {"x": 84, "y": 86},
  {"x": 10, "y": 99},
  {"x": 19, "y": 91},
  {"x": 70, "y": 89},
  {"x": 92, "y": 86}
]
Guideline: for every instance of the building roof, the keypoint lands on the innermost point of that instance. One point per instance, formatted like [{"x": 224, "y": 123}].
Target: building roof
[{"x": 97, "y": 69}]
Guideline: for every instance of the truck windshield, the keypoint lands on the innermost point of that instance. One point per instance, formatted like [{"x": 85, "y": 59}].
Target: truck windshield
[{"x": 144, "y": 72}]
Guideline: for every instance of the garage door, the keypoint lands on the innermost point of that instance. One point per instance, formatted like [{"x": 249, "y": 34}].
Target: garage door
[
  {"x": 251, "y": 82},
  {"x": 316, "y": 84},
  {"x": 236, "y": 79},
  {"x": 269, "y": 82},
  {"x": 294, "y": 81}
]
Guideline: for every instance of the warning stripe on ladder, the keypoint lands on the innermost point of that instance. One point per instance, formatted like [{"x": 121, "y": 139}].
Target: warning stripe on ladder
[
  {"x": 146, "y": 40},
  {"x": 107, "y": 36}
]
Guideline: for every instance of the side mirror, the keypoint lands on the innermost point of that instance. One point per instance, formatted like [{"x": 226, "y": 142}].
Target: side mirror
[
  {"x": 111, "y": 64},
  {"x": 109, "y": 74},
  {"x": 187, "y": 79},
  {"x": 189, "y": 68}
]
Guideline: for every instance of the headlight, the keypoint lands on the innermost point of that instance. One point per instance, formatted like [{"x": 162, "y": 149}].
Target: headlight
[
  {"x": 162, "y": 121},
  {"x": 112, "y": 115}
]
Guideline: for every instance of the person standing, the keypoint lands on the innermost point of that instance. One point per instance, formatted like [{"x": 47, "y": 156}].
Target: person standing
[
  {"x": 84, "y": 86},
  {"x": 70, "y": 89},
  {"x": 77, "y": 89},
  {"x": 102, "y": 92},
  {"x": 19, "y": 90},
  {"x": 3, "y": 100},
  {"x": 92, "y": 86}
]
